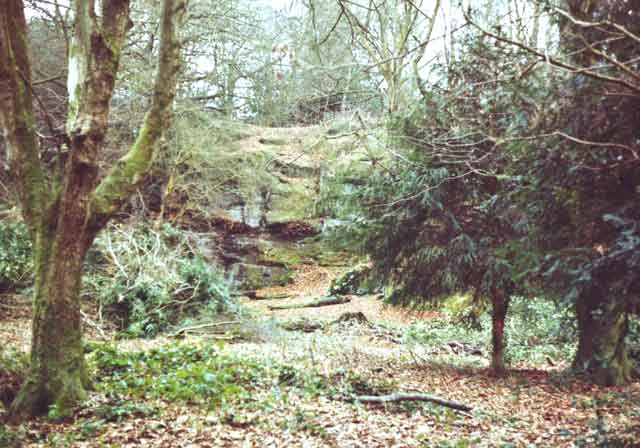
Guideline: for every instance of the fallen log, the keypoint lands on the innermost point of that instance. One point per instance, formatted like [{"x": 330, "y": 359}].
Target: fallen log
[
  {"x": 258, "y": 296},
  {"x": 304, "y": 324},
  {"x": 398, "y": 397},
  {"x": 323, "y": 301},
  {"x": 203, "y": 326}
]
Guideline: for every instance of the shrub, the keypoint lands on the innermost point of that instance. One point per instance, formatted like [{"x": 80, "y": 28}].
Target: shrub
[
  {"x": 202, "y": 375},
  {"x": 16, "y": 266},
  {"x": 183, "y": 373},
  {"x": 355, "y": 281},
  {"x": 148, "y": 280},
  {"x": 13, "y": 364}
]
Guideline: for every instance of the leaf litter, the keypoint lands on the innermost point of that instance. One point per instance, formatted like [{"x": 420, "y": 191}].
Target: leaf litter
[{"x": 534, "y": 406}]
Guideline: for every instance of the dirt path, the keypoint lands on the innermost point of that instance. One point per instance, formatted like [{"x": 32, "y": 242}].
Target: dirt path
[{"x": 313, "y": 282}]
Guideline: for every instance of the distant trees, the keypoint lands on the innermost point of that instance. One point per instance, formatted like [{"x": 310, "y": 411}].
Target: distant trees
[
  {"x": 66, "y": 207},
  {"x": 394, "y": 36}
]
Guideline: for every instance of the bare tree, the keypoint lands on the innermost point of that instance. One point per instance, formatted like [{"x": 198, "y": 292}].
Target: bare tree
[{"x": 394, "y": 35}]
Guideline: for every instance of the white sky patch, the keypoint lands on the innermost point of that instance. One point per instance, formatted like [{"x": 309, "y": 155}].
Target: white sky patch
[
  {"x": 73, "y": 77},
  {"x": 279, "y": 5}
]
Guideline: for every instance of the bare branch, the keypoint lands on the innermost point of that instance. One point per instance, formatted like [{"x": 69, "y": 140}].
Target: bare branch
[
  {"x": 586, "y": 24},
  {"x": 587, "y": 71},
  {"x": 47, "y": 80},
  {"x": 129, "y": 171}
]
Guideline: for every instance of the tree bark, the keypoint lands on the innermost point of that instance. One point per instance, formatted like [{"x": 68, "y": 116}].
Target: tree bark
[
  {"x": 57, "y": 374},
  {"x": 500, "y": 303},
  {"x": 602, "y": 353}
]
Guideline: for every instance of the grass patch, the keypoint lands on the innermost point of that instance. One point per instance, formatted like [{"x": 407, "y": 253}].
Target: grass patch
[{"x": 199, "y": 375}]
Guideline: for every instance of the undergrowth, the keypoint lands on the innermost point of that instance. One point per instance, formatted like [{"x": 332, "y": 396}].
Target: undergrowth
[
  {"x": 200, "y": 375},
  {"x": 13, "y": 364},
  {"x": 536, "y": 331},
  {"x": 184, "y": 373},
  {"x": 148, "y": 280},
  {"x": 15, "y": 256}
]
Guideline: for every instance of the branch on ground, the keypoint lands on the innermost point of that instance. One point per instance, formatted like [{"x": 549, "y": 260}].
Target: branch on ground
[
  {"x": 203, "y": 326},
  {"x": 323, "y": 301},
  {"x": 399, "y": 397}
]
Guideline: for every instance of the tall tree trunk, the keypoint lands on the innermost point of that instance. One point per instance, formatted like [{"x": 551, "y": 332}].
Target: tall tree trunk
[
  {"x": 57, "y": 374},
  {"x": 65, "y": 212},
  {"x": 500, "y": 304},
  {"x": 602, "y": 352}
]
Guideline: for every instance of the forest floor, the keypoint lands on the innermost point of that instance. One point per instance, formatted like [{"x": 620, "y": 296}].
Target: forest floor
[{"x": 308, "y": 401}]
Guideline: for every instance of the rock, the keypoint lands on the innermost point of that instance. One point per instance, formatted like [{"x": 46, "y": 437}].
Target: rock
[
  {"x": 292, "y": 229},
  {"x": 352, "y": 317},
  {"x": 253, "y": 276}
]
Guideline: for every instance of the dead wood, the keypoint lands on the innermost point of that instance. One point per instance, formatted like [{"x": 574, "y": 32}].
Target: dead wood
[
  {"x": 323, "y": 301},
  {"x": 203, "y": 326},
  {"x": 258, "y": 296},
  {"x": 304, "y": 324},
  {"x": 398, "y": 397}
]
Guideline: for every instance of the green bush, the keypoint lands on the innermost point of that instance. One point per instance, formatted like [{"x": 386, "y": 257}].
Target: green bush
[
  {"x": 13, "y": 364},
  {"x": 356, "y": 281},
  {"x": 16, "y": 266},
  {"x": 183, "y": 373},
  {"x": 147, "y": 280},
  {"x": 199, "y": 375},
  {"x": 539, "y": 330}
]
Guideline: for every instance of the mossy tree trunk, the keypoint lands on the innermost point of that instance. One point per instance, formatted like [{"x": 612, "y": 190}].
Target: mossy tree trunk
[
  {"x": 500, "y": 306},
  {"x": 58, "y": 374},
  {"x": 65, "y": 210},
  {"x": 602, "y": 353}
]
